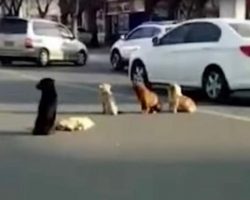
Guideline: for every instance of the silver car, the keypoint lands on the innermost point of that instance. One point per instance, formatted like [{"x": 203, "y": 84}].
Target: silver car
[{"x": 39, "y": 40}]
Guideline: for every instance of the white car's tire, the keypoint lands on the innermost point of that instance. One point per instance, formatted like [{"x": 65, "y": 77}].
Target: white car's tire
[
  {"x": 6, "y": 62},
  {"x": 81, "y": 59},
  {"x": 43, "y": 58},
  {"x": 215, "y": 85},
  {"x": 139, "y": 74},
  {"x": 116, "y": 61}
]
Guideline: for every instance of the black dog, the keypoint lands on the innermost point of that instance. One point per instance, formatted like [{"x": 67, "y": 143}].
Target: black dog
[{"x": 45, "y": 120}]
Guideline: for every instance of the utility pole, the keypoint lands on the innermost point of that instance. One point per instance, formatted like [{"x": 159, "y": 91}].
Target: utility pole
[
  {"x": 75, "y": 18},
  {"x": 28, "y": 7}
]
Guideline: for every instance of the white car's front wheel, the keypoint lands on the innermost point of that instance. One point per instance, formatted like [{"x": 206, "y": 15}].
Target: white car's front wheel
[
  {"x": 81, "y": 58},
  {"x": 43, "y": 58},
  {"x": 139, "y": 74},
  {"x": 116, "y": 61},
  {"x": 215, "y": 85}
]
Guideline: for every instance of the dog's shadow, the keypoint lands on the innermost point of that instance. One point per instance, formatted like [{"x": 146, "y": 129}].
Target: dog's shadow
[
  {"x": 120, "y": 113},
  {"x": 6, "y": 133}
]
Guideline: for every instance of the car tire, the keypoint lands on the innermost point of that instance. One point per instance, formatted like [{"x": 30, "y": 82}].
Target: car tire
[
  {"x": 215, "y": 85},
  {"x": 81, "y": 59},
  {"x": 43, "y": 58},
  {"x": 139, "y": 74},
  {"x": 116, "y": 61},
  {"x": 6, "y": 62}
]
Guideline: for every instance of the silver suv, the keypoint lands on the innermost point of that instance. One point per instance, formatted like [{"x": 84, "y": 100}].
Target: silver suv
[{"x": 39, "y": 40}]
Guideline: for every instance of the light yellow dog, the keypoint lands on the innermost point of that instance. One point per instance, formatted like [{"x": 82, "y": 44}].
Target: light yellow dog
[
  {"x": 108, "y": 101},
  {"x": 178, "y": 102}
]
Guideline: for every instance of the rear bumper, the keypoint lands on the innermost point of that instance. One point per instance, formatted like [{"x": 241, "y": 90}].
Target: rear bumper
[{"x": 22, "y": 55}]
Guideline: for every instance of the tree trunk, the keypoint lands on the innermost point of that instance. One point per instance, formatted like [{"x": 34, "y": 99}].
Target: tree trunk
[
  {"x": 16, "y": 6},
  {"x": 43, "y": 11},
  {"x": 64, "y": 18},
  {"x": 92, "y": 24},
  {"x": 74, "y": 17}
]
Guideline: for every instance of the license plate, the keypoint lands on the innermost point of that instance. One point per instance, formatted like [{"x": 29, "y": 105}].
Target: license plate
[{"x": 8, "y": 43}]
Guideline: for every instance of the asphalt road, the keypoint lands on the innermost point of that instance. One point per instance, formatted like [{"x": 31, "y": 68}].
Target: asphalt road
[{"x": 131, "y": 156}]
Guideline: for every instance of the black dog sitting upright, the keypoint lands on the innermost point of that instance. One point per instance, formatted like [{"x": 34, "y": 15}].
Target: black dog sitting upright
[{"x": 46, "y": 117}]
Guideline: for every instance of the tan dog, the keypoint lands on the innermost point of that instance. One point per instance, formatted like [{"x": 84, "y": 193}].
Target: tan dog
[
  {"x": 75, "y": 124},
  {"x": 149, "y": 100},
  {"x": 178, "y": 102},
  {"x": 108, "y": 101}
]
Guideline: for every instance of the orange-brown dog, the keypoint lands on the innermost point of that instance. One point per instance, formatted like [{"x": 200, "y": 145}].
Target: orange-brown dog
[{"x": 149, "y": 101}]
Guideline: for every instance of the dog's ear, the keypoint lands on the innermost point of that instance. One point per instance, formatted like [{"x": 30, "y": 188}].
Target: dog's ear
[
  {"x": 51, "y": 83},
  {"x": 46, "y": 83},
  {"x": 38, "y": 86},
  {"x": 101, "y": 86},
  {"x": 108, "y": 87}
]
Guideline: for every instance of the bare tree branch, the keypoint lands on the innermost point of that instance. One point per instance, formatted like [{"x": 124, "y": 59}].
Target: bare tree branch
[
  {"x": 43, "y": 12},
  {"x": 16, "y": 6}
]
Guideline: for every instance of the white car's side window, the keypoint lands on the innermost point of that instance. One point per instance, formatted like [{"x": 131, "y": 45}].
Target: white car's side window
[
  {"x": 135, "y": 34},
  {"x": 176, "y": 36},
  {"x": 203, "y": 32},
  {"x": 143, "y": 32},
  {"x": 46, "y": 29},
  {"x": 65, "y": 33}
]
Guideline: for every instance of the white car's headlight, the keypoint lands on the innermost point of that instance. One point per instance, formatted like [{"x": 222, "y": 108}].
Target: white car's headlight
[{"x": 131, "y": 49}]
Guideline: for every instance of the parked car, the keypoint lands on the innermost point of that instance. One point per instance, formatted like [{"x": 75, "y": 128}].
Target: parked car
[
  {"x": 212, "y": 54},
  {"x": 139, "y": 37},
  {"x": 39, "y": 40}
]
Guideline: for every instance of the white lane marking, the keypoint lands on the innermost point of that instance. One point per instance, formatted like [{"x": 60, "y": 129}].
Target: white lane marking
[
  {"x": 202, "y": 111},
  {"x": 224, "y": 115}
]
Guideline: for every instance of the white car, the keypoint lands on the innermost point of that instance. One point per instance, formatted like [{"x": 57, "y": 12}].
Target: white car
[
  {"x": 211, "y": 54},
  {"x": 140, "y": 36},
  {"x": 39, "y": 40}
]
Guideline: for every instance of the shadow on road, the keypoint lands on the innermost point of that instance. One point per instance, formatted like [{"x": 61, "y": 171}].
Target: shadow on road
[
  {"x": 7, "y": 133},
  {"x": 200, "y": 99}
]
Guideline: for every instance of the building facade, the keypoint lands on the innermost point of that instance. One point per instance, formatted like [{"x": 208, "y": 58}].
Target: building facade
[{"x": 124, "y": 15}]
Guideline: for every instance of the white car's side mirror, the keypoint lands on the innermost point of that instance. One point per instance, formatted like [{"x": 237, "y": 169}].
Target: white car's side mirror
[
  {"x": 155, "y": 41},
  {"x": 122, "y": 37}
]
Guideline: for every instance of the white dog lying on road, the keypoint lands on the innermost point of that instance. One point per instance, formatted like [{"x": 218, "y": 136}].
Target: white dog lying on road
[{"x": 75, "y": 124}]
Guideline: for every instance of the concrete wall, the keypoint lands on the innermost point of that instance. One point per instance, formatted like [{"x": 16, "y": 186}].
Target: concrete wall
[{"x": 233, "y": 8}]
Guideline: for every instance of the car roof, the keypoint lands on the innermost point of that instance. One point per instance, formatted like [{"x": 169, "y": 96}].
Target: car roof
[
  {"x": 28, "y": 19},
  {"x": 154, "y": 24},
  {"x": 41, "y": 20},
  {"x": 12, "y": 18},
  {"x": 218, "y": 20},
  {"x": 168, "y": 22}
]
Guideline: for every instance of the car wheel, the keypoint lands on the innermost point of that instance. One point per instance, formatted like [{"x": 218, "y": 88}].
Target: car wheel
[
  {"x": 43, "y": 59},
  {"x": 139, "y": 74},
  {"x": 81, "y": 59},
  {"x": 215, "y": 85},
  {"x": 6, "y": 62},
  {"x": 116, "y": 61}
]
